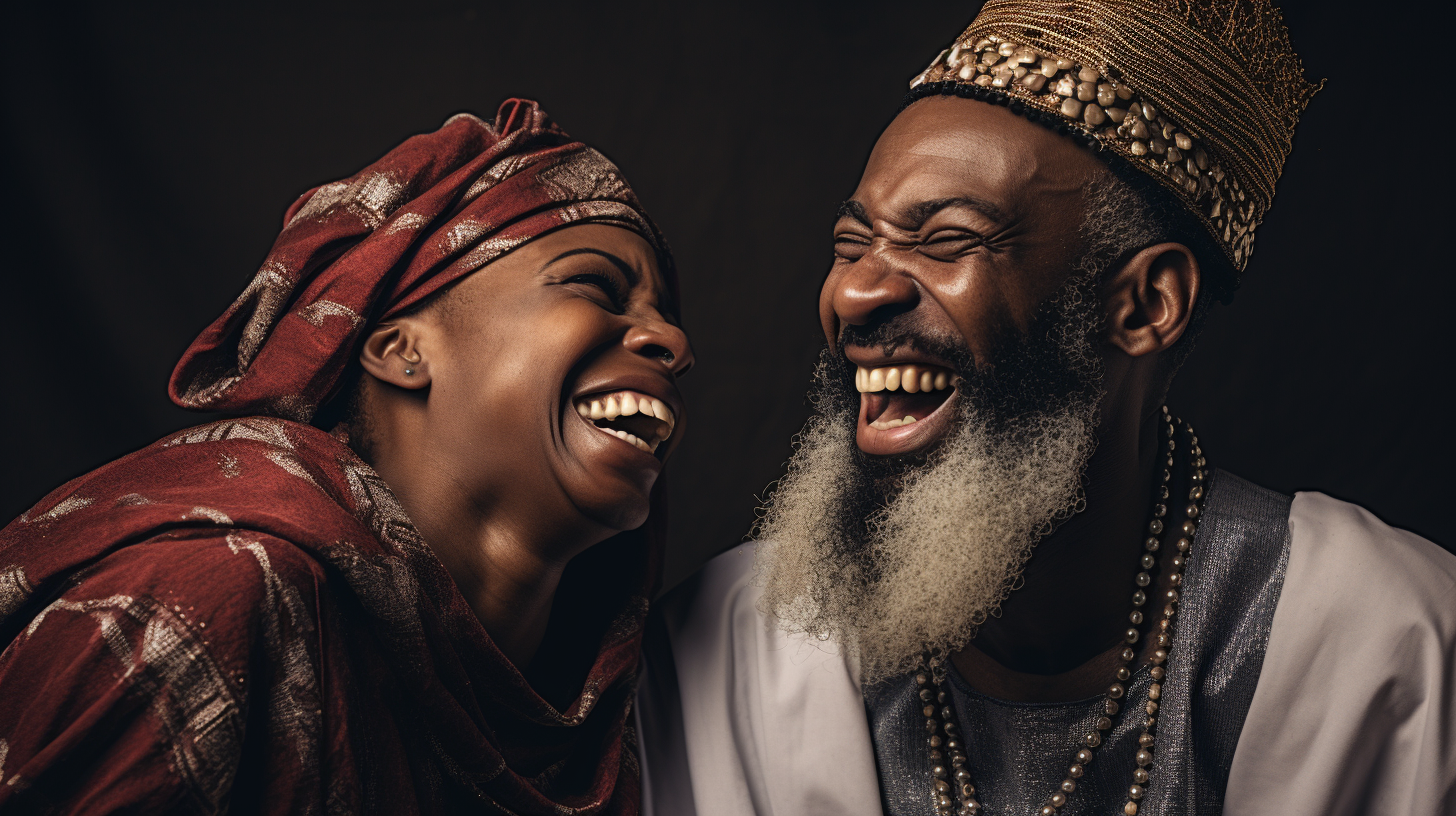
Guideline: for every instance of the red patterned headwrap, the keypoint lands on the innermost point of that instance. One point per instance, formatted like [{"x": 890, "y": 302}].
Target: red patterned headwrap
[{"x": 436, "y": 208}]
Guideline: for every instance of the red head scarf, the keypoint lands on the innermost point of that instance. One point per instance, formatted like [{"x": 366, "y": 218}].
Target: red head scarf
[{"x": 434, "y": 209}]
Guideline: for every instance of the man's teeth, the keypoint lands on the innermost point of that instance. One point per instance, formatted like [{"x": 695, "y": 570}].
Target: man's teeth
[
  {"x": 887, "y": 424},
  {"x": 627, "y": 403},
  {"x": 913, "y": 379}
]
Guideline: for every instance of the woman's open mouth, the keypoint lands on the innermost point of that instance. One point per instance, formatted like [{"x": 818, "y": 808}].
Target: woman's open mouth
[
  {"x": 900, "y": 406},
  {"x": 638, "y": 419}
]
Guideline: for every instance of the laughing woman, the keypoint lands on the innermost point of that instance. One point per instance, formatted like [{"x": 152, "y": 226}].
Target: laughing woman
[{"x": 411, "y": 575}]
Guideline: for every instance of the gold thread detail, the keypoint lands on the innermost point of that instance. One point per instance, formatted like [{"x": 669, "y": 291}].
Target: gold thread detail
[{"x": 1203, "y": 97}]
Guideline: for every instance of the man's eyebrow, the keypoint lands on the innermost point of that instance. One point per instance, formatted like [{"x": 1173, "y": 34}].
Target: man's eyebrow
[
  {"x": 632, "y": 275},
  {"x": 922, "y": 211},
  {"x": 853, "y": 209},
  {"x": 918, "y": 213}
]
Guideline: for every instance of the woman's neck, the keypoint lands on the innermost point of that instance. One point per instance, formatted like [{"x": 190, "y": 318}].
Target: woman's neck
[
  {"x": 500, "y": 571},
  {"x": 506, "y": 553}
]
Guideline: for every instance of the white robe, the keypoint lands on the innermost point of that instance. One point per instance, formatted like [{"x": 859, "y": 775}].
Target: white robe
[{"x": 1354, "y": 712}]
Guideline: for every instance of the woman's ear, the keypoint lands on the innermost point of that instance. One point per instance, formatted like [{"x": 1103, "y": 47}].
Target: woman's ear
[
  {"x": 391, "y": 354},
  {"x": 1150, "y": 299}
]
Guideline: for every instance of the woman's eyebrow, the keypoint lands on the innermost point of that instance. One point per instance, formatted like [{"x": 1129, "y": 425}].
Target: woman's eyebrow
[
  {"x": 632, "y": 275},
  {"x": 664, "y": 305}
]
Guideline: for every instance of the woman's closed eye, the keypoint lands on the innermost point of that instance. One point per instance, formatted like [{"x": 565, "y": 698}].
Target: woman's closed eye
[{"x": 611, "y": 288}]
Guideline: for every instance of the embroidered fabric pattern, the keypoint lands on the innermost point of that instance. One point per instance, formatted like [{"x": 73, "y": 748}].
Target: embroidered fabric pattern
[{"x": 255, "y": 569}]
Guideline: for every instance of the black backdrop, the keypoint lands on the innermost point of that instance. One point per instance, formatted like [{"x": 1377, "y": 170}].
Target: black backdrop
[{"x": 148, "y": 156}]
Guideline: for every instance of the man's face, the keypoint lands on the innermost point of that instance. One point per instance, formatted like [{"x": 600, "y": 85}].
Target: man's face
[
  {"x": 958, "y": 266},
  {"x": 963, "y": 225}
]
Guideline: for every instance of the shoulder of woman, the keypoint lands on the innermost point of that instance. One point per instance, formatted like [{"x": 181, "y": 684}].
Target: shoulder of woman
[
  {"x": 270, "y": 476},
  {"x": 216, "y": 596},
  {"x": 141, "y": 665},
  {"x": 212, "y": 578}
]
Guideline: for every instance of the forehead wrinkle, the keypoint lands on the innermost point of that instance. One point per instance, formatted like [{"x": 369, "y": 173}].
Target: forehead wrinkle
[
  {"x": 1003, "y": 155},
  {"x": 907, "y": 197},
  {"x": 973, "y": 151}
]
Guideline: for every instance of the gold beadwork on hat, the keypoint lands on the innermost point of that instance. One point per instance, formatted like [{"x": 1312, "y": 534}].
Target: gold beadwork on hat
[{"x": 1202, "y": 95}]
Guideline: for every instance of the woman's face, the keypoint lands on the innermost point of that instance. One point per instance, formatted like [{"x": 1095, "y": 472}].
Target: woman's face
[{"x": 553, "y": 377}]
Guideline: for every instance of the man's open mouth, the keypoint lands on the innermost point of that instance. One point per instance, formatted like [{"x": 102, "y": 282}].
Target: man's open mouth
[
  {"x": 631, "y": 416},
  {"x": 894, "y": 396}
]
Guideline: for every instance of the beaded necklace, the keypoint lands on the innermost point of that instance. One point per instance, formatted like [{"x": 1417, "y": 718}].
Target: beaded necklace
[{"x": 953, "y": 781}]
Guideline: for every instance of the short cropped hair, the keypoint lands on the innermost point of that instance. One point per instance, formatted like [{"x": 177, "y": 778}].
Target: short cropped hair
[{"x": 1125, "y": 212}]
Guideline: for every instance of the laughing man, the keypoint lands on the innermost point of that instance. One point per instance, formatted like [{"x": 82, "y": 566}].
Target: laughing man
[{"x": 1000, "y": 576}]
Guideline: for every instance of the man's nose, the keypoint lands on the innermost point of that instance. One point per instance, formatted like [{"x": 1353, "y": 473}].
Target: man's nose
[{"x": 871, "y": 290}]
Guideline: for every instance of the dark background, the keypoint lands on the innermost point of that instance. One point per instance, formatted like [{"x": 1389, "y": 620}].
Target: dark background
[{"x": 148, "y": 156}]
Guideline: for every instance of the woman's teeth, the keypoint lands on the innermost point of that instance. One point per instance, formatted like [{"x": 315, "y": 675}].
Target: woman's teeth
[
  {"x": 630, "y": 403},
  {"x": 625, "y": 403},
  {"x": 913, "y": 379},
  {"x": 632, "y": 438}
]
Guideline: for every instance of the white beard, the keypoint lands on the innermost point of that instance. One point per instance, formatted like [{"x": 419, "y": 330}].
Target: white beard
[{"x": 892, "y": 571}]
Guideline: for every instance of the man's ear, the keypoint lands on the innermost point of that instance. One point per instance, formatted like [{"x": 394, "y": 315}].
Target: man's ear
[
  {"x": 391, "y": 354},
  {"x": 1150, "y": 299}
]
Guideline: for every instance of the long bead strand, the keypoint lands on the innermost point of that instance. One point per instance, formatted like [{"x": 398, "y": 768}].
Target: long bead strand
[{"x": 953, "y": 793}]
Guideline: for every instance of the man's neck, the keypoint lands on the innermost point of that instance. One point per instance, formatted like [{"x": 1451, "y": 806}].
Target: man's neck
[{"x": 1066, "y": 621}]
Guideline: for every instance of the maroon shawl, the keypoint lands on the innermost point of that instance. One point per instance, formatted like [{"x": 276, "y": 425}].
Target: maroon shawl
[{"x": 241, "y": 617}]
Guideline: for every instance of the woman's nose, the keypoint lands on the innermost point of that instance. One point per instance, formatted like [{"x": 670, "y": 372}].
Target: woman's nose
[{"x": 663, "y": 342}]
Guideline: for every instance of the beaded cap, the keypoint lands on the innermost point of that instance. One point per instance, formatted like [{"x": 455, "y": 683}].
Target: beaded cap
[{"x": 1202, "y": 95}]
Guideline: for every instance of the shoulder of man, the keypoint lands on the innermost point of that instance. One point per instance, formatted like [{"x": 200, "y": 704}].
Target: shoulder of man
[
  {"x": 1357, "y": 693},
  {"x": 126, "y": 687},
  {"x": 724, "y": 583},
  {"x": 738, "y": 717},
  {"x": 1359, "y": 564}
]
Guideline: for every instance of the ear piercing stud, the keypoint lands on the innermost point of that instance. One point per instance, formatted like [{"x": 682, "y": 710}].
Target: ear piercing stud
[{"x": 409, "y": 372}]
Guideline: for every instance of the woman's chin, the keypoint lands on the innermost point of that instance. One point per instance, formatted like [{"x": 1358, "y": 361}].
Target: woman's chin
[
  {"x": 617, "y": 511},
  {"x": 614, "y": 484}
]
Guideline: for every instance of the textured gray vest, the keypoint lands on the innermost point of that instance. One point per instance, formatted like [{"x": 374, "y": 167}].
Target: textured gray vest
[{"x": 1018, "y": 753}]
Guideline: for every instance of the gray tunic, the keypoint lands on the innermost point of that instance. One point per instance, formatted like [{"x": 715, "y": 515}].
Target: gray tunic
[{"x": 1018, "y": 753}]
